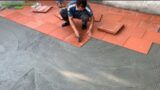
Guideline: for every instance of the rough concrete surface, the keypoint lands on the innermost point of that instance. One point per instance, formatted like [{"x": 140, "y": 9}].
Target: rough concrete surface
[{"x": 30, "y": 60}]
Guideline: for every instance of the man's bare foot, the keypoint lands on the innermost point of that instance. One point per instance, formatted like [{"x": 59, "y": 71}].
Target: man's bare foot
[{"x": 65, "y": 24}]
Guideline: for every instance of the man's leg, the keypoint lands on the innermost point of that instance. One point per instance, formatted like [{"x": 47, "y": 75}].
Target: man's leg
[
  {"x": 60, "y": 3},
  {"x": 64, "y": 15},
  {"x": 85, "y": 19}
]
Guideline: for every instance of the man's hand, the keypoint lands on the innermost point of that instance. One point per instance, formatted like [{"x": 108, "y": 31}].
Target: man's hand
[
  {"x": 74, "y": 28},
  {"x": 89, "y": 33}
]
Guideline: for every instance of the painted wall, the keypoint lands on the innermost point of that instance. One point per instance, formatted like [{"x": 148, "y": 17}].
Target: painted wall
[{"x": 143, "y": 6}]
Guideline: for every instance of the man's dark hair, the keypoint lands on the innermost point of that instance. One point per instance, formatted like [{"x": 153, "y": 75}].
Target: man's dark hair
[{"x": 81, "y": 3}]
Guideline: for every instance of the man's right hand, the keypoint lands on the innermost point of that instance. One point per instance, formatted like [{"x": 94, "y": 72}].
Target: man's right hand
[
  {"x": 72, "y": 23},
  {"x": 79, "y": 39}
]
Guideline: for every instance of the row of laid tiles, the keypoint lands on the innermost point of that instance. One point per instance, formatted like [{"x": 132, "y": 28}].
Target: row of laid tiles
[{"x": 123, "y": 37}]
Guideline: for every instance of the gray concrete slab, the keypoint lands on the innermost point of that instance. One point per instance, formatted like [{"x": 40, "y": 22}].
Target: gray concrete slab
[{"x": 30, "y": 60}]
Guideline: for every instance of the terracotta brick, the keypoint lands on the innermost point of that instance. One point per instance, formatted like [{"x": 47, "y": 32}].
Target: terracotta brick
[
  {"x": 98, "y": 17},
  {"x": 130, "y": 14},
  {"x": 51, "y": 19},
  {"x": 149, "y": 26},
  {"x": 155, "y": 19},
  {"x": 111, "y": 28},
  {"x": 34, "y": 23},
  {"x": 111, "y": 18},
  {"x": 46, "y": 28},
  {"x": 115, "y": 11},
  {"x": 138, "y": 32},
  {"x": 23, "y": 19},
  {"x": 58, "y": 16},
  {"x": 130, "y": 22},
  {"x": 144, "y": 17},
  {"x": 14, "y": 16},
  {"x": 152, "y": 37},
  {"x": 98, "y": 34},
  {"x": 42, "y": 9},
  {"x": 116, "y": 40},
  {"x": 139, "y": 45},
  {"x": 73, "y": 40},
  {"x": 62, "y": 33},
  {"x": 137, "y": 25},
  {"x": 6, "y": 12}
]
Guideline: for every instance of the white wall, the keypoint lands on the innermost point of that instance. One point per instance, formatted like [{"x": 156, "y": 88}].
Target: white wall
[{"x": 144, "y": 6}]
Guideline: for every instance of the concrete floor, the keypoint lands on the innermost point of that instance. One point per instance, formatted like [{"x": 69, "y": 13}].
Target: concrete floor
[{"x": 30, "y": 60}]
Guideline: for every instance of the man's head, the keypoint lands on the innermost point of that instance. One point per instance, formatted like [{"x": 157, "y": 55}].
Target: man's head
[{"x": 81, "y": 4}]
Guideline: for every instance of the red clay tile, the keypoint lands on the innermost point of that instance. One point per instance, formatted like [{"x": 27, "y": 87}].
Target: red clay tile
[
  {"x": 117, "y": 40},
  {"x": 149, "y": 26},
  {"x": 137, "y": 25},
  {"x": 73, "y": 40},
  {"x": 98, "y": 17},
  {"x": 115, "y": 11},
  {"x": 152, "y": 37},
  {"x": 144, "y": 17},
  {"x": 46, "y": 28},
  {"x": 138, "y": 32},
  {"x": 111, "y": 28},
  {"x": 111, "y": 18},
  {"x": 58, "y": 16},
  {"x": 14, "y": 16},
  {"x": 98, "y": 34},
  {"x": 34, "y": 23},
  {"x": 130, "y": 22},
  {"x": 120, "y": 38},
  {"x": 155, "y": 19},
  {"x": 130, "y": 14},
  {"x": 19, "y": 18},
  {"x": 51, "y": 19},
  {"x": 42, "y": 9},
  {"x": 23, "y": 19},
  {"x": 62, "y": 33},
  {"x": 139, "y": 45},
  {"x": 6, "y": 12}
]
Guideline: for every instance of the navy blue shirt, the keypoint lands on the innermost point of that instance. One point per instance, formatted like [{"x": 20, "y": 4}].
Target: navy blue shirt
[{"x": 73, "y": 12}]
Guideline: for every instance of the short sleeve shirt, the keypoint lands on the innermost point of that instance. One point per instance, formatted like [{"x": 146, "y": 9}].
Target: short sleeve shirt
[{"x": 73, "y": 12}]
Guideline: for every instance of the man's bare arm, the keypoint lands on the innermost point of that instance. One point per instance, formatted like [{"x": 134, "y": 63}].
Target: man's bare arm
[
  {"x": 91, "y": 26},
  {"x": 74, "y": 26}
]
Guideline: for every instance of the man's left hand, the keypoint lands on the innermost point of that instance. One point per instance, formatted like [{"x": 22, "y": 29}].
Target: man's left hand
[{"x": 89, "y": 33}]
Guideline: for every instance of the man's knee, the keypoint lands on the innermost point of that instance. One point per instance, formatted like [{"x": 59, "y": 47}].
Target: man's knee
[
  {"x": 85, "y": 18},
  {"x": 63, "y": 13},
  {"x": 60, "y": 1}
]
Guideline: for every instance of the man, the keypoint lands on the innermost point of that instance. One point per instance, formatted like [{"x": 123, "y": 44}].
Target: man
[{"x": 81, "y": 10}]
